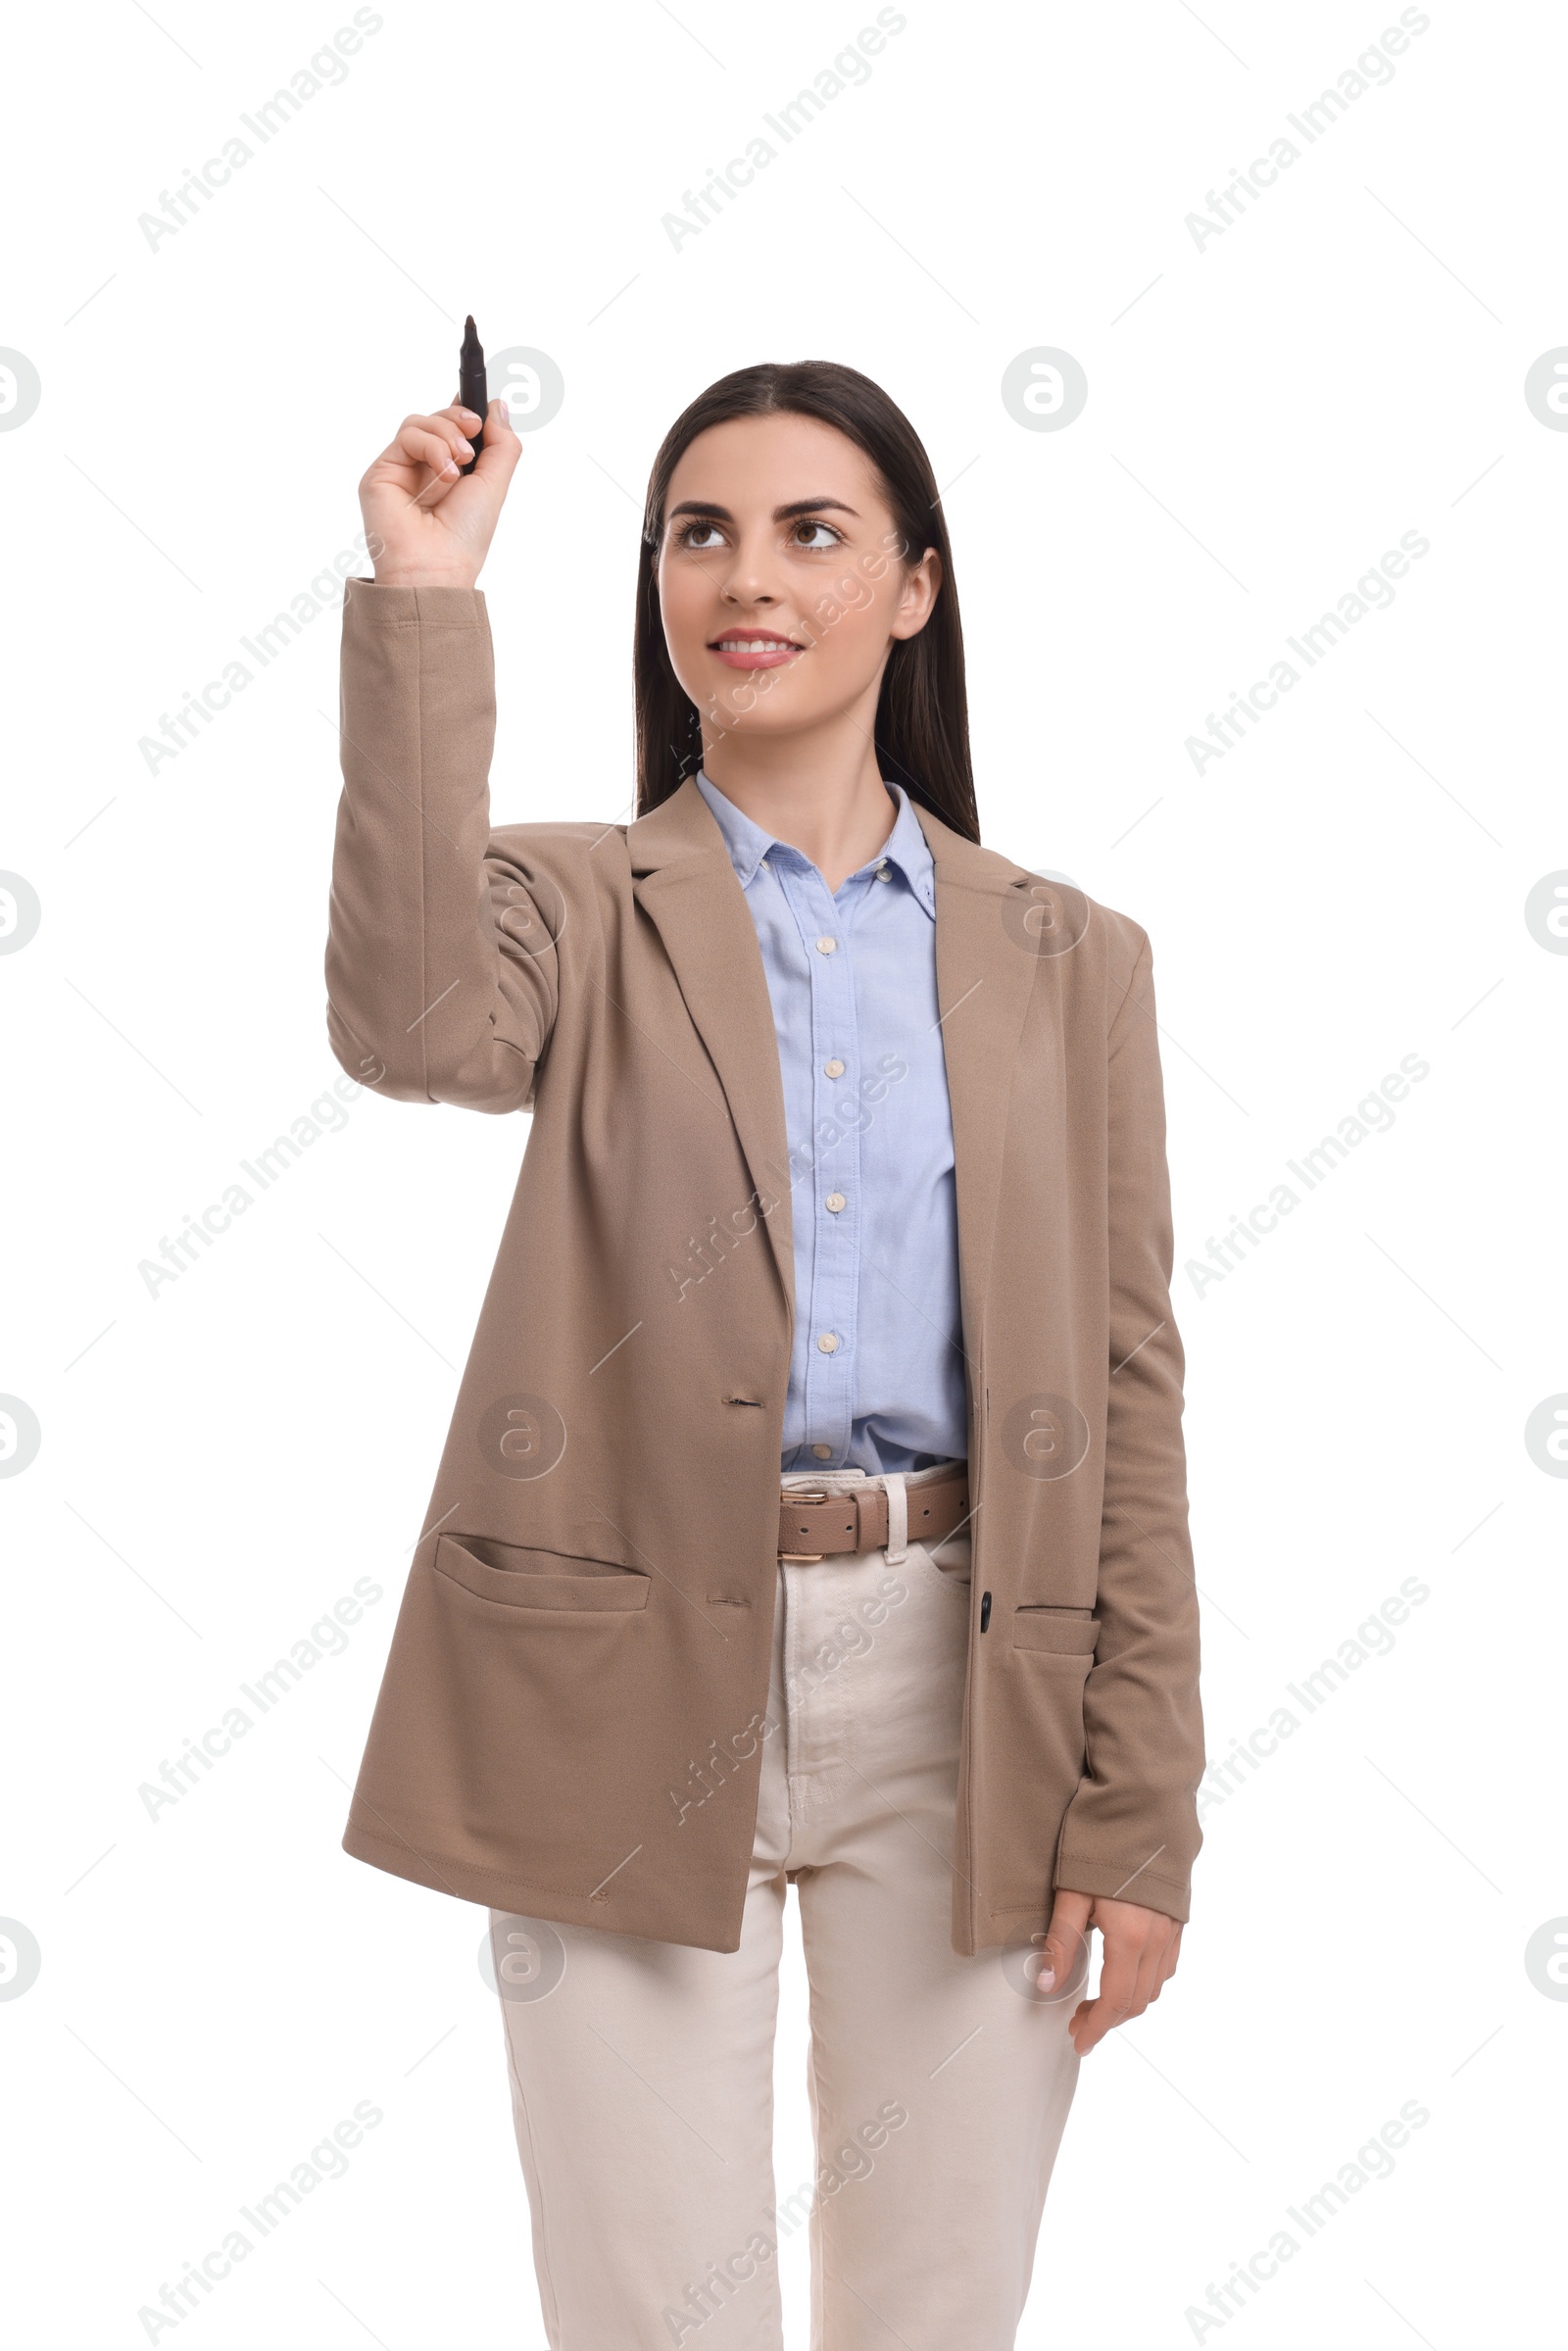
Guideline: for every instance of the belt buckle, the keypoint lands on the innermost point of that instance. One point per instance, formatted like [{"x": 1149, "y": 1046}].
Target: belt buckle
[{"x": 804, "y": 1493}]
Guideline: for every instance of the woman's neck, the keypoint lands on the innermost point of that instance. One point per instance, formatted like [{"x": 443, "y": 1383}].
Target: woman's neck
[{"x": 824, "y": 794}]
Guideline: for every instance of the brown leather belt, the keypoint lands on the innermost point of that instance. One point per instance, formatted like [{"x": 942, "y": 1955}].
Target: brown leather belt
[{"x": 812, "y": 1523}]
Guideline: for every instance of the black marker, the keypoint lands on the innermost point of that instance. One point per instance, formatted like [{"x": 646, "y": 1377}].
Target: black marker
[{"x": 471, "y": 392}]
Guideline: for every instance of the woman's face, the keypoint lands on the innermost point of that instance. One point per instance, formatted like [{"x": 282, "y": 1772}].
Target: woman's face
[{"x": 782, "y": 577}]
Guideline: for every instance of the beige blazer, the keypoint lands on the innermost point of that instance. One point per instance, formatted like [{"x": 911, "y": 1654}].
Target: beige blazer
[{"x": 572, "y": 1710}]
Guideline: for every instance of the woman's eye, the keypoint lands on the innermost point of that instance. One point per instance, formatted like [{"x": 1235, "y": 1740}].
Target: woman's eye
[
  {"x": 700, "y": 537},
  {"x": 829, "y": 536}
]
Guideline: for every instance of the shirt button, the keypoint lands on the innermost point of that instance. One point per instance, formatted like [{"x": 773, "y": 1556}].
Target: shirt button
[
  {"x": 882, "y": 874},
  {"x": 833, "y": 1068},
  {"x": 835, "y": 1201},
  {"x": 826, "y": 947},
  {"x": 829, "y": 1343},
  {"x": 824, "y": 1453}
]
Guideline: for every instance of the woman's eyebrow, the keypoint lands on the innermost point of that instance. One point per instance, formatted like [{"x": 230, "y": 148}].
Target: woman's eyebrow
[
  {"x": 812, "y": 506},
  {"x": 781, "y": 513}
]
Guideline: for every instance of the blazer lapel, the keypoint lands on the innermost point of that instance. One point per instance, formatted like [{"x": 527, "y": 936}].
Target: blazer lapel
[
  {"x": 989, "y": 953},
  {"x": 689, "y": 889},
  {"x": 988, "y": 957}
]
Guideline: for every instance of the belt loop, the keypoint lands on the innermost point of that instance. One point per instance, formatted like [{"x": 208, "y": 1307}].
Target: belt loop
[{"x": 897, "y": 1543}]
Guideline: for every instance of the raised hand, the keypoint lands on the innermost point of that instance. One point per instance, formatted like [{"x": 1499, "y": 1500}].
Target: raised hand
[{"x": 430, "y": 525}]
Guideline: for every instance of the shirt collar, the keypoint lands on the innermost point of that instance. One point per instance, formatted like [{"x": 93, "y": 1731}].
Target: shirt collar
[{"x": 905, "y": 848}]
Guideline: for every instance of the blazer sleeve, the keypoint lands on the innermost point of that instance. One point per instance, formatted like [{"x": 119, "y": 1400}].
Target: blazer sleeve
[
  {"x": 1132, "y": 1829},
  {"x": 441, "y": 964}
]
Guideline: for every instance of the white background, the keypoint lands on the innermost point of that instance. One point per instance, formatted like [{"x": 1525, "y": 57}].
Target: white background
[{"x": 1266, "y": 416}]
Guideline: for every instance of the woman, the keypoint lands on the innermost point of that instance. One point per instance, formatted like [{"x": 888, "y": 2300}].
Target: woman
[{"x": 813, "y": 1509}]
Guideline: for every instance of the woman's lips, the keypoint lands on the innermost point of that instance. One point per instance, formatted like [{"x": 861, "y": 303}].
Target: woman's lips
[{"x": 753, "y": 650}]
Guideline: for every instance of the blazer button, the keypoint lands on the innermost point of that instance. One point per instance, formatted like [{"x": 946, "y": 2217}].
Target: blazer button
[{"x": 985, "y": 1610}]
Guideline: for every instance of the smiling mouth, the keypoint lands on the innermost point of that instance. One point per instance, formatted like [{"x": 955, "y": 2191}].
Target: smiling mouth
[{"x": 754, "y": 649}]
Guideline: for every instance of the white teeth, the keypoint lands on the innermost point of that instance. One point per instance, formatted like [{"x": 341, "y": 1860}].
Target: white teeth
[{"x": 752, "y": 645}]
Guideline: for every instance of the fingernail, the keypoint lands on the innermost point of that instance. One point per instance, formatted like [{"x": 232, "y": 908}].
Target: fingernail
[
  {"x": 506, "y": 412},
  {"x": 449, "y": 468},
  {"x": 1045, "y": 1978}
]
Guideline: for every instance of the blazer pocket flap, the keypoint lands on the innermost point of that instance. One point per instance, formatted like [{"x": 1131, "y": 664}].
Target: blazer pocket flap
[
  {"x": 538, "y": 1579},
  {"x": 1060, "y": 1629}
]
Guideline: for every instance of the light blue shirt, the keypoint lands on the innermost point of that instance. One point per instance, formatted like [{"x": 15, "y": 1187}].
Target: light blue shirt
[{"x": 876, "y": 1373}]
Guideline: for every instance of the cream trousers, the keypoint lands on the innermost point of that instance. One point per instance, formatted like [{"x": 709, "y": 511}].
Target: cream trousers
[{"x": 642, "y": 2072}]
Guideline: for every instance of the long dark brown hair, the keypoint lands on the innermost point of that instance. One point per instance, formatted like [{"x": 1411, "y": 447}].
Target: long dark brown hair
[{"x": 923, "y": 719}]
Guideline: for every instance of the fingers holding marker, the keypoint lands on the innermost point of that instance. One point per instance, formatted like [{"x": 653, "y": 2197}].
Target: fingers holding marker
[
  {"x": 440, "y": 449},
  {"x": 489, "y": 450},
  {"x": 498, "y": 458},
  {"x": 428, "y": 536},
  {"x": 434, "y": 441}
]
